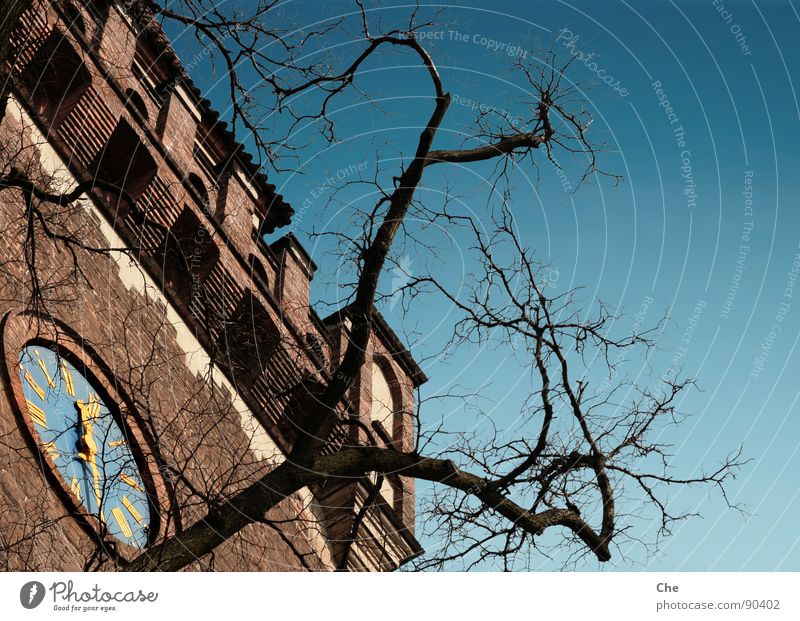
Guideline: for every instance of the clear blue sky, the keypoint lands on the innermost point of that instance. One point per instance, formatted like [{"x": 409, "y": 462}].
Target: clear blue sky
[{"x": 671, "y": 232}]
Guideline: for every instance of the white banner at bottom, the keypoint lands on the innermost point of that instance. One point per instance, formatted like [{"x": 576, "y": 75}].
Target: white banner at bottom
[{"x": 266, "y": 596}]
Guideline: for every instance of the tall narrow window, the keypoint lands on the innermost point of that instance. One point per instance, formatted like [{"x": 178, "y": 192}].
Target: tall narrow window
[
  {"x": 203, "y": 155},
  {"x": 199, "y": 189},
  {"x": 258, "y": 272},
  {"x": 153, "y": 83},
  {"x": 383, "y": 405},
  {"x": 382, "y": 412},
  {"x": 136, "y": 106}
]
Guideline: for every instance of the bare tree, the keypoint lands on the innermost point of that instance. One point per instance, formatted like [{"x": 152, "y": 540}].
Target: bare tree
[{"x": 578, "y": 448}]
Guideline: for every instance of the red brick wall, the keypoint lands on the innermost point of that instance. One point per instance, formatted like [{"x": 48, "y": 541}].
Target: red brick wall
[
  {"x": 117, "y": 44},
  {"x": 177, "y": 128},
  {"x": 236, "y": 213}
]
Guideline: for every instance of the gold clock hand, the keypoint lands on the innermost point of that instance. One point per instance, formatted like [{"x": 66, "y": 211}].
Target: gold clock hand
[
  {"x": 85, "y": 453},
  {"x": 96, "y": 488},
  {"x": 98, "y": 496},
  {"x": 87, "y": 413}
]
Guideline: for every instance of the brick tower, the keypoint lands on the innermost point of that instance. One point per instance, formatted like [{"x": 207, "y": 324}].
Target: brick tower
[{"x": 195, "y": 335}]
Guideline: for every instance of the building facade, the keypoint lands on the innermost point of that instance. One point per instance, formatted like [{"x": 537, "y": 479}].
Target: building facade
[{"x": 156, "y": 351}]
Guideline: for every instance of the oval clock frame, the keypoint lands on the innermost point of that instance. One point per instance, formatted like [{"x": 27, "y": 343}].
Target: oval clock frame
[{"x": 22, "y": 329}]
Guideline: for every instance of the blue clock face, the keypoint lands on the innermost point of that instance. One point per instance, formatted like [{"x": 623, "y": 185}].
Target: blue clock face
[{"x": 84, "y": 441}]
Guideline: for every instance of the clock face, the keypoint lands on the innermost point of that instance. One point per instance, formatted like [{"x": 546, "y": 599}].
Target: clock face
[{"x": 84, "y": 441}]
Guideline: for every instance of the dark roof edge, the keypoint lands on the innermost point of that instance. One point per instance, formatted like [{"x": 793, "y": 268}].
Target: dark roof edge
[
  {"x": 278, "y": 211},
  {"x": 290, "y": 241},
  {"x": 397, "y": 350}
]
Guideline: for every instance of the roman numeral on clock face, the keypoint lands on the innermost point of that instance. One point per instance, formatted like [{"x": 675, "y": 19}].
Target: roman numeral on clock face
[
  {"x": 32, "y": 383},
  {"x": 47, "y": 376},
  {"x": 70, "y": 387},
  {"x": 131, "y": 509},
  {"x": 119, "y": 518},
  {"x": 51, "y": 449},
  {"x": 129, "y": 481},
  {"x": 75, "y": 487},
  {"x": 37, "y": 414}
]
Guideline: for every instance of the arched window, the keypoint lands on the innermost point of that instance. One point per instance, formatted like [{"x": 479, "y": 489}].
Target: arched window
[
  {"x": 199, "y": 189},
  {"x": 57, "y": 78},
  {"x": 383, "y": 405},
  {"x": 257, "y": 271},
  {"x": 383, "y": 414},
  {"x": 136, "y": 106}
]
